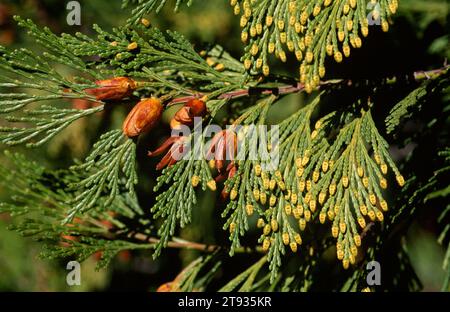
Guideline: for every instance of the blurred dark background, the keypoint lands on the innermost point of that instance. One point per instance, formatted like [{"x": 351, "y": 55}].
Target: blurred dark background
[{"x": 418, "y": 40}]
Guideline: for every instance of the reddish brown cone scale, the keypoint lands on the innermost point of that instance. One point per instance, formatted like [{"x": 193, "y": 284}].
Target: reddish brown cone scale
[
  {"x": 197, "y": 107},
  {"x": 142, "y": 117},
  {"x": 186, "y": 114},
  {"x": 113, "y": 89}
]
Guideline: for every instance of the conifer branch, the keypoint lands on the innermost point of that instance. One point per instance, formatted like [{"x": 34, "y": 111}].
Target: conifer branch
[
  {"x": 417, "y": 76},
  {"x": 146, "y": 6},
  {"x": 333, "y": 161},
  {"x": 184, "y": 244},
  {"x": 246, "y": 278},
  {"x": 111, "y": 158},
  {"x": 48, "y": 120}
]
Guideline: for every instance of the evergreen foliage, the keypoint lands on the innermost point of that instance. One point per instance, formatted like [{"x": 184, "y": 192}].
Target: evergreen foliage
[{"x": 335, "y": 168}]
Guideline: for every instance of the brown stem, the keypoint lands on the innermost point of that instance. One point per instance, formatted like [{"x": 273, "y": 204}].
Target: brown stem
[
  {"x": 180, "y": 243},
  {"x": 288, "y": 89}
]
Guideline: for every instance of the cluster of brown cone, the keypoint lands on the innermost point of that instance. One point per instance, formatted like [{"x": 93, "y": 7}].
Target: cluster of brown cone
[{"x": 145, "y": 115}]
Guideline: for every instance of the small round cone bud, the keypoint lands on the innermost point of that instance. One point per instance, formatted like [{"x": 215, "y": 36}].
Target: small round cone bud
[
  {"x": 212, "y": 185},
  {"x": 195, "y": 180}
]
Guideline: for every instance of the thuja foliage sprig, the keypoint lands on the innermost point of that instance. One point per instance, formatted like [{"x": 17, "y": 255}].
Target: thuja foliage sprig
[
  {"x": 169, "y": 57},
  {"x": 86, "y": 246},
  {"x": 195, "y": 276},
  {"x": 175, "y": 53},
  {"x": 240, "y": 185},
  {"x": 281, "y": 190},
  {"x": 415, "y": 99},
  {"x": 144, "y": 7},
  {"x": 256, "y": 188},
  {"x": 319, "y": 175},
  {"x": 40, "y": 201},
  {"x": 348, "y": 183},
  {"x": 31, "y": 78},
  {"x": 177, "y": 201},
  {"x": 245, "y": 281},
  {"x": 184, "y": 171},
  {"x": 310, "y": 30},
  {"x": 167, "y": 62},
  {"x": 110, "y": 167},
  {"x": 56, "y": 51},
  {"x": 47, "y": 122}
]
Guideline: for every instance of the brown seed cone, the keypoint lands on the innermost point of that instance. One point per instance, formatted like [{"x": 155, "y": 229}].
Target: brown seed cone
[
  {"x": 186, "y": 114},
  {"x": 142, "y": 117},
  {"x": 116, "y": 88}
]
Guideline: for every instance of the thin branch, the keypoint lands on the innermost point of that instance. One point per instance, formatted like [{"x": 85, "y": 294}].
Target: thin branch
[
  {"x": 299, "y": 87},
  {"x": 181, "y": 243}
]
